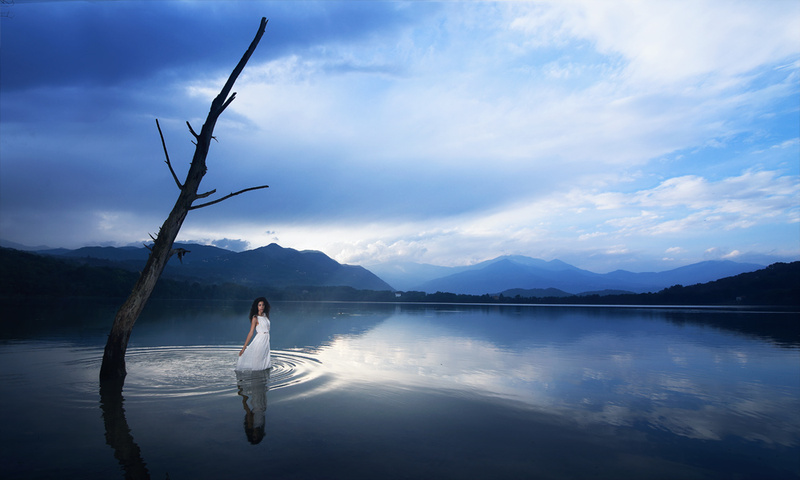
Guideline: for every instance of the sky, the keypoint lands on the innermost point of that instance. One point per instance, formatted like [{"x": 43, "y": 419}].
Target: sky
[{"x": 617, "y": 134}]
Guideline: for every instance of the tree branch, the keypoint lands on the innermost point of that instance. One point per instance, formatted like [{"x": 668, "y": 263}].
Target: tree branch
[
  {"x": 180, "y": 252},
  {"x": 222, "y": 101},
  {"x": 207, "y": 194},
  {"x": 195, "y": 207},
  {"x": 227, "y": 102},
  {"x": 191, "y": 129},
  {"x": 164, "y": 144}
]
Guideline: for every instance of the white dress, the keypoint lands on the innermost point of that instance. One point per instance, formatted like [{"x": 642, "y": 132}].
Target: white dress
[{"x": 256, "y": 355}]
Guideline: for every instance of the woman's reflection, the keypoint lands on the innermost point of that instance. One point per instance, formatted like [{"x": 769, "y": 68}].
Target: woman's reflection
[{"x": 253, "y": 386}]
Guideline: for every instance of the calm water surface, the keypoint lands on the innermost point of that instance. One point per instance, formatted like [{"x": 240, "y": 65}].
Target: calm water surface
[{"x": 403, "y": 391}]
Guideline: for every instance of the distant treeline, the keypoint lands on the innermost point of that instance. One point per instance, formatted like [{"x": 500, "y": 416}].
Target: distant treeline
[
  {"x": 778, "y": 284},
  {"x": 29, "y": 275}
]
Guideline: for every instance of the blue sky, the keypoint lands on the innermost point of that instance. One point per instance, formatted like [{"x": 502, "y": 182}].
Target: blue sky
[{"x": 615, "y": 134}]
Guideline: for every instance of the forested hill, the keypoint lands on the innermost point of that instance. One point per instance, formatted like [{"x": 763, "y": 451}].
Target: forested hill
[
  {"x": 778, "y": 284},
  {"x": 24, "y": 274},
  {"x": 271, "y": 266}
]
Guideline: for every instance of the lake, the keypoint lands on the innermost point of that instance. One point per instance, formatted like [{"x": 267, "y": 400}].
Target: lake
[{"x": 367, "y": 391}]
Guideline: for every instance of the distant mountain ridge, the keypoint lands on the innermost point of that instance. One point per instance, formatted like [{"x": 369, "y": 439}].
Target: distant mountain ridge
[
  {"x": 273, "y": 266},
  {"x": 411, "y": 276},
  {"x": 281, "y": 267},
  {"x": 25, "y": 274},
  {"x": 524, "y": 273}
]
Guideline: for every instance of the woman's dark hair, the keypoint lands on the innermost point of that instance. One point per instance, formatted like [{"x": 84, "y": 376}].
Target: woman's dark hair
[
  {"x": 254, "y": 308},
  {"x": 254, "y": 434}
]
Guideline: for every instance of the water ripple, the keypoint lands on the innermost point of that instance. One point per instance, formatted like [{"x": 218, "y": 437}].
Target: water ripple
[
  {"x": 181, "y": 371},
  {"x": 292, "y": 368}
]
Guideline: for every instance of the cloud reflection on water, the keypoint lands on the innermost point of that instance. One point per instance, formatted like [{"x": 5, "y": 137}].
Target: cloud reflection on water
[{"x": 668, "y": 381}]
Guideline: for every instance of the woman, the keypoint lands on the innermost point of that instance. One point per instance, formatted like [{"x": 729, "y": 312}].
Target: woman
[{"x": 256, "y": 355}]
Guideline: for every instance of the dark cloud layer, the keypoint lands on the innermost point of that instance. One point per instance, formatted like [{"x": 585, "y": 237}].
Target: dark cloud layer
[{"x": 107, "y": 43}]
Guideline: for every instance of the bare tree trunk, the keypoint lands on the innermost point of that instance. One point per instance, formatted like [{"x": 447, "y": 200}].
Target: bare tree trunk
[{"x": 113, "y": 367}]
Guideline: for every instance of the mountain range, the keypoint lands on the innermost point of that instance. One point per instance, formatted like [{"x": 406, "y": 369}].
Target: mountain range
[
  {"x": 272, "y": 266},
  {"x": 535, "y": 277},
  {"x": 279, "y": 267}
]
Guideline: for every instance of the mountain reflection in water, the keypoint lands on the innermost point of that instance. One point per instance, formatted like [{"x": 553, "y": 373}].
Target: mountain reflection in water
[
  {"x": 398, "y": 391},
  {"x": 659, "y": 379}
]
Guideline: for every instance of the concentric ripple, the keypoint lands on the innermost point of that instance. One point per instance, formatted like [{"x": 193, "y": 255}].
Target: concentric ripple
[
  {"x": 292, "y": 368},
  {"x": 180, "y": 371}
]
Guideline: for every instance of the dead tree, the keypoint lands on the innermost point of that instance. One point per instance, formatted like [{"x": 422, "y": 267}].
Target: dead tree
[{"x": 113, "y": 367}]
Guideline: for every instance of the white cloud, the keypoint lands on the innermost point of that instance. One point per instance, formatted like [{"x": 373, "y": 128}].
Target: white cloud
[
  {"x": 668, "y": 41},
  {"x": 689, "y": 209},
  {"x": 791, "y": 143},
  {"x": 448, "y": 110}
]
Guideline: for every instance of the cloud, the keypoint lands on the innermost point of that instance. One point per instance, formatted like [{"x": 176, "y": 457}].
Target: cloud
[
  {"x": 530, "y": 226},
  {"x": 236, "y": 245},
  {"x": 791, "y": 143},
  {"x": 440, "y": 132},
  {"x": 104, "y": 43},
  {"x": 672, "y": 41},
  {"x": 751, "y": 193}
]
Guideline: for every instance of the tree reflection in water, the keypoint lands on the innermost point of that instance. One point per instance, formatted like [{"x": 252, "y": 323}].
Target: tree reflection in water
[{"x": 118, "y": 433}]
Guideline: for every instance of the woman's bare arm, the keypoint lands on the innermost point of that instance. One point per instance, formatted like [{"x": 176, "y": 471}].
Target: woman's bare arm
[{"x": 253, "y": 323}]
